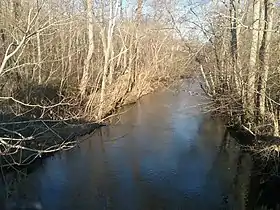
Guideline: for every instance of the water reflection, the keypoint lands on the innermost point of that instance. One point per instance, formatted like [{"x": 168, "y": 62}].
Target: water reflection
[{"x": 161, "y": 154}]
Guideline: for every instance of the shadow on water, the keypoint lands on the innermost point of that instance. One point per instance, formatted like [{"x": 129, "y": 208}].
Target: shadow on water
[
  {"x": 262, "y": 182},
  {"x": 163, "y": 153},
  {"x": 264, "y": 188}
]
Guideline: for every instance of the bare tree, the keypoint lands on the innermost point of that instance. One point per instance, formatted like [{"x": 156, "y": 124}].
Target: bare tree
[
  {"x": 53, "y": 51},
  {"x": 139, "y": 10},
  {"x": 264, "y": 54},
  {"x": 107, "y": 44},
  {"x": 253, "y": 57},
  {"x": 234, "y": 42},
  {"x": 90, "y": 26}
]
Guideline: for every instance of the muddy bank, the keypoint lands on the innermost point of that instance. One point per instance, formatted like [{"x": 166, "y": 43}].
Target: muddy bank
[{"x": 23, "y": 140}]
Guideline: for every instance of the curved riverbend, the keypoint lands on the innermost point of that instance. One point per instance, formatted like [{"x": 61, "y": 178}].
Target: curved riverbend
[{"x": 163, "y": 153}]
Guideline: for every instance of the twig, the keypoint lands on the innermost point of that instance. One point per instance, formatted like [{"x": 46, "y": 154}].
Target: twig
[{"x": 35, "y": 105}]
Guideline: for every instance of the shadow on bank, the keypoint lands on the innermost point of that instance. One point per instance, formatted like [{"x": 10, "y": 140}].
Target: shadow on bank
[{"x": 26, "y": 142}]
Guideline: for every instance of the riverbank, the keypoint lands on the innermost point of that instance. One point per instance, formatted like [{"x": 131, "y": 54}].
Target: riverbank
[
  {"x": 263, "y": 149},
  {"x": 241, "y": 76},
  {"x": 71, "y": 67},
  {"x": 24, "y": 141}
]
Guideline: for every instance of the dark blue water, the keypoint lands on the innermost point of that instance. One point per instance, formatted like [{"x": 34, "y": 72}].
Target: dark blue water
[{"x": 163, "y": 153}]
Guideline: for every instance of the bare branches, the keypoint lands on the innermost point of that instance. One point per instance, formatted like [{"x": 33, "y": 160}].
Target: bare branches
[
  {"x": 47, "y": 137},
  {"x": 245, "y": 50},
  {"x": 34, "y": 105},
  {"x": 53, "y": 55}
]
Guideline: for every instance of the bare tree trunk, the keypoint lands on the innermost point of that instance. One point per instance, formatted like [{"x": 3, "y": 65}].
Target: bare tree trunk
[
  {"x": 2, "y": 30},
  {"x": 139, "y": 10},
  {"x": 121, "y": 9},
  {"x": 253, "y": 58},
  {"x": 70, "y": 41},
  {"x": 264, "y": 55},
  {"x": 85, "y": 77},
  {"x": 131, "y": 59},
  {"x": 134, "y": 47},
  {"x": 107, "y": 45},
  {"x": 208, "y": 88},
  {"x": 112, "y": 66},
  {"x": 39, "y": 57},
  {"x": 234, "y": 41}
]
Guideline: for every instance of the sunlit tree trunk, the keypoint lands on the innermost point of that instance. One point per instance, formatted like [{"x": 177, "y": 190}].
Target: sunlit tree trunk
[
  {"x": 253, "y": 58},
  {"x": 139, "y": 10},
  {"x": 39, "y": 57},
  {"x": 121, "y": 9},
  {"x": 107, "y": 45},
  {"x": 85, "y": 76},
  {"x": 112, "y": 66},
  {"x": 134, "y": 47},
  {"x": 2, "y": 34},
  {"x": 70, "y": 50},
  {"x": 264, "y": 55},
  {"x": 234, "y": 41}
]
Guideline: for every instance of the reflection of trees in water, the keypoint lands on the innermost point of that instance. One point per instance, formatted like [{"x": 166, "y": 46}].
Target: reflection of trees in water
[
  {"x": 234, "y": 166},
  {"x": 241, "y": 181},
  {"x": 209, "y": 135},
  {"x": 241, "y": 174},
  {"x": 9, "y": 192},
  {"x": 252, "y": 185},
  {"x": 265, "y": 185},
  {"x": 9, "y": 183}
]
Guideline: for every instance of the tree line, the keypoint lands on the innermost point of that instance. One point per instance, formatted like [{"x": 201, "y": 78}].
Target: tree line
[
  {"x": 241, "y": 67},
  {"x": 88, "y": 57}
]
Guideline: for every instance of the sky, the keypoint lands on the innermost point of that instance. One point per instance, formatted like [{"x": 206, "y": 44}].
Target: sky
[{"x": 184, "y": 12}]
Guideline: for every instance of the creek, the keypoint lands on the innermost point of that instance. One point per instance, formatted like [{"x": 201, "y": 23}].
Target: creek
[{"x": 164, "y": 152}]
